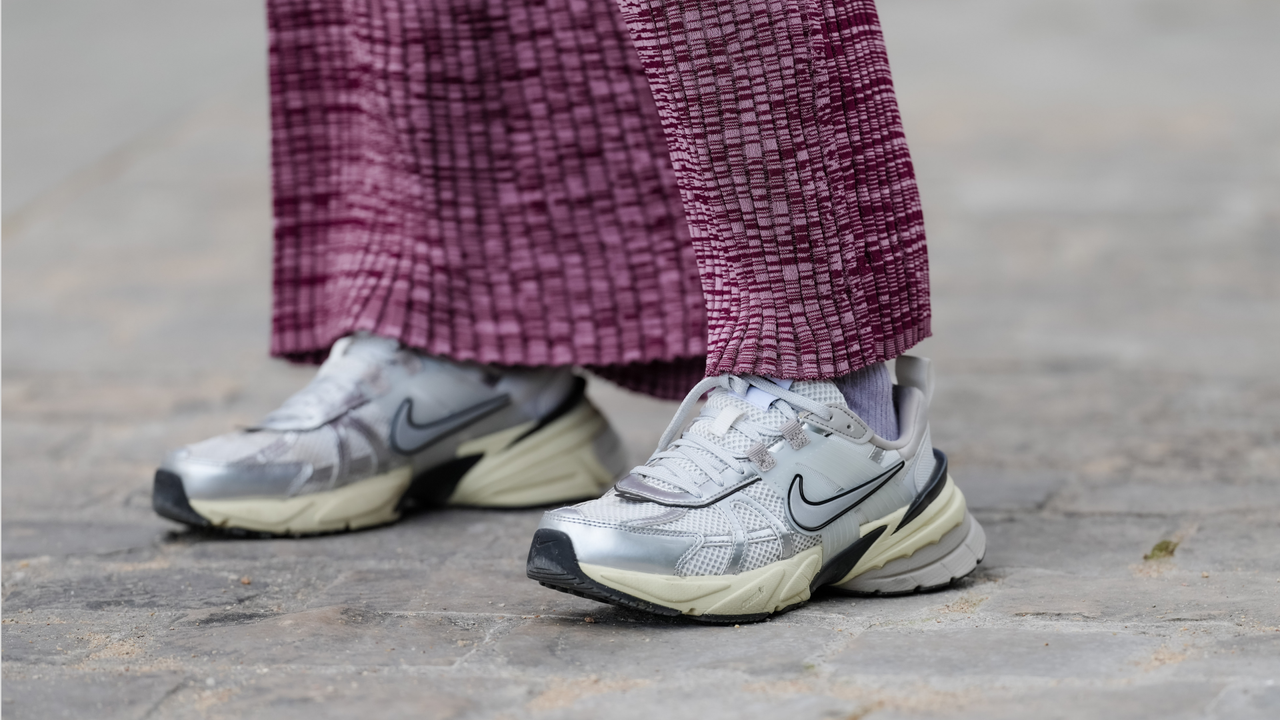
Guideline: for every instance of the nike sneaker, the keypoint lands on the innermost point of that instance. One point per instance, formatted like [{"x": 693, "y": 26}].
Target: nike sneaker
[
  {"x": 775, "y": 490},
  {"x": 382, "y": 428}
]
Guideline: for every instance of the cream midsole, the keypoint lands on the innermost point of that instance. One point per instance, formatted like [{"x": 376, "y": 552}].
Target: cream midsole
[
  {"x": 368, "y": 502},
  {"x": 944, "y": 513},
  {"x": 763, "y": 590},
  {"x": 556, "y": 464},
  {"x": 785, "y": 582}
]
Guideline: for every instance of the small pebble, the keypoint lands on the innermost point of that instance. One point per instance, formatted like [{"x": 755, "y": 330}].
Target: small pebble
[
  {"x": 245, "y": 580},
  {"x": 588, "y": 619}
]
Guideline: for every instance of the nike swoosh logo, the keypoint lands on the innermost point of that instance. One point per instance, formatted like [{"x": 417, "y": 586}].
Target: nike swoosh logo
[
  {"x": 814, "y": 516},
  {"x": 409, "y": 437}
]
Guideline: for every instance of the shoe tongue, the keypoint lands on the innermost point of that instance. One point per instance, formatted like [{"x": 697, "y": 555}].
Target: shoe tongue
[
  {"x": 764, "y": 407},
  {"x": 354, "y": 365},
  {"x": 823, "y": 391},
  {"x": 762, "y": 398},
  {"x": 761, "y": 407},
  {"x": 356, "y": 353}
]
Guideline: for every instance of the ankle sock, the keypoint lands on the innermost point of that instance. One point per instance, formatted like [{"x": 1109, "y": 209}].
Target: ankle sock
[{"x": 869, "y": 393}]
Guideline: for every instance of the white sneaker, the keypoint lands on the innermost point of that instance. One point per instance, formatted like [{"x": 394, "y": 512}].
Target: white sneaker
[
  {"x": 381, "y": 427},
  {"x": 774, "y": 491}
]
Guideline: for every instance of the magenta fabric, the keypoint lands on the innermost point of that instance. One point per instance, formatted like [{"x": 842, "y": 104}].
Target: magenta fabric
[
  {"x": 486, "y": 181},
  {"x": 800, "y": 193},
  {"x": 493, "y": 182}
]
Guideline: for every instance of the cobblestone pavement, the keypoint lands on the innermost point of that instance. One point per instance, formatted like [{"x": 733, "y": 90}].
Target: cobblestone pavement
[{"x": 1102, "y": 187}]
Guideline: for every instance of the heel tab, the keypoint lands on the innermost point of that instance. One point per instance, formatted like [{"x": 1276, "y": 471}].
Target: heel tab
[{"x": 916, "y": 372}]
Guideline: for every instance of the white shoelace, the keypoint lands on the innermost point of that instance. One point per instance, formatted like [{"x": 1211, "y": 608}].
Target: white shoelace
[{"x": 701, "y": 452}]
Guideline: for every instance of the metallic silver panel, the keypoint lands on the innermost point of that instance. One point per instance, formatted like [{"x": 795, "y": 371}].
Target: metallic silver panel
[
  {"x": 843, "y": 422},
  {"x": 618, "y": 547},
  {"x": 636, "y": 488},
  {"x": 739, "y": 553},
  {"x": 208, "y": 481}
]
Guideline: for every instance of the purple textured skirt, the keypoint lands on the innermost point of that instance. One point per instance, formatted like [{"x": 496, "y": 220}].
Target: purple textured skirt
[{"x": 673, "y": 189}]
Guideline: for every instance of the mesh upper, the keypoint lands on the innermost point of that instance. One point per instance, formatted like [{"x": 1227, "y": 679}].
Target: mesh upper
[
  {"x": 712, "y": 522},
  {"x": 238, "y": 446},
  {"x": 761, "y": 553},
  {"x": 707, "y": 561}
]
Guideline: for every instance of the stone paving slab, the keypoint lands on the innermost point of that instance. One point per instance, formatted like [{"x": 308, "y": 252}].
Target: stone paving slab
[{"x": 1103, "y": 202}]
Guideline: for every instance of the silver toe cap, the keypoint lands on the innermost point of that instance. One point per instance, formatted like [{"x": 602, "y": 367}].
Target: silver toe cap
[
  {"x": 619, "y": 547},
  {"x": 206, "y": 480}
]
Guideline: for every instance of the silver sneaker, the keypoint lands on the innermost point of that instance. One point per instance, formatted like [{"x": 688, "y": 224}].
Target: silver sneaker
[
  {"x": 774, "y": 491},
  {"x": 381, "y": 427}
]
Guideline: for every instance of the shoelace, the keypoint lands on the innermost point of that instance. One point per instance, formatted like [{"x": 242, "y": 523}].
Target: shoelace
[{"x": 701, "y": 451}]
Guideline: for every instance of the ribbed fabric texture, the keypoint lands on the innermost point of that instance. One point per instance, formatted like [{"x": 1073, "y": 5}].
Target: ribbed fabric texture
[
  {"x": 485, "y": 181},
  {"x": 489, "y": 181},
  {"x": 796, "y": 180}
]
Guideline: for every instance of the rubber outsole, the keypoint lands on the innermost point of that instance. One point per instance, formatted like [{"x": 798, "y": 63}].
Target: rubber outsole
[
  {"x": 554, "y": 564},
  {"x": 945, "y": 543},
  {"x": 169, "y": 500}
]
